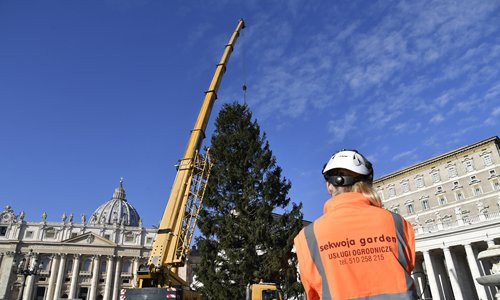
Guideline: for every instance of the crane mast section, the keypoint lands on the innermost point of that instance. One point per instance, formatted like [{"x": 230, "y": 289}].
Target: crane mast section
[
  {"x": 173, "y": 240},
  {"x": 198, "y": 133}
]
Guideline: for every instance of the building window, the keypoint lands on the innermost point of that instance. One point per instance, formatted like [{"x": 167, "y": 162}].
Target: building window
[
  {"x": 69, "y": 266},
  {"x": 496, "y": 185},
  {"x": 447, "y": 221},
  {"x": 129, "y": 238},
  {"x": 442, "y": 200},
  {"x": 419, "y": 182},
  {"x": 28, "y": 234},
  {"x": 3, "y": 230},
  {"x": 395, "y": 210},
  {"x": 425, "y": 204},
  {"x": 87, "y": 263},
  {"x": 487, "y": 160},
  {"x": 459, "y": 196},
  {"x": 107, "y": 236},
  {"x": 473, "y": 179},
  {"x": 50, "y": 234},
  {"x": 477, "y": 190},
  {"x": 493, "y": 173},
  {"x": 149, "y": 240},
  {"x": 466, "y": 218},
  {"x": 74, "y": 234},
  {"x": 103, "y": 266},
  {"x": 452, "y": 171},
  {"x": 127, "y": 266},
  {"x": 83, "y": 292},
  {"x": 405, "y": 186},
  {"x": 435, "y": 177},
  {"x": 392, "y": 191},
  {"x": 44, "y": 261},
  {"x": 469, "y": 167},
  {"x": 410, "y": 209}
]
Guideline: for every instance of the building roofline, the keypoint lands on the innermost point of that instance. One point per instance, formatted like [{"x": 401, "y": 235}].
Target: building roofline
[{"x": 437, "y": 158}]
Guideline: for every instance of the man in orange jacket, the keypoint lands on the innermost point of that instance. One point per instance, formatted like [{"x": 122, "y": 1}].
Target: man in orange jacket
[{"x": 356, "y": 249}]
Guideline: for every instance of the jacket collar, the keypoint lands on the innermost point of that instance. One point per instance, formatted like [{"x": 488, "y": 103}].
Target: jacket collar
[{"x": 350, "y": 199}]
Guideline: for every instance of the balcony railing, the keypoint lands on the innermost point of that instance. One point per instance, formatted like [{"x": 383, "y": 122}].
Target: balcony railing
[{"x": 467, "y": 220}]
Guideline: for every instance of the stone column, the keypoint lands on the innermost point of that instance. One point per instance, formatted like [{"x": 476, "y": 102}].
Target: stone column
[
  {"x": 108, "y": 290},
  {"x": 431, "y": 276},
  {"x": 74, "y": 276},
  {"x": 474, "y": 269},
  {"x": 95, "y": 278},
  {"x": 28, "y": 288},
  {"x": 6, "y": 275},
  {"x": 452, "y": 273},
  {"x": 54, "y": 263},
  {"x": 418, "y": 276},
  {"x": 30, "y": 281},
  {"x": 60, "y": 276},
  {"x": 118, "y": 278}
]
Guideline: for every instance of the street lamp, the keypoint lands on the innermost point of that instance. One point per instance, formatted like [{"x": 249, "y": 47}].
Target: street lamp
[{"x": 26, "y": 269}]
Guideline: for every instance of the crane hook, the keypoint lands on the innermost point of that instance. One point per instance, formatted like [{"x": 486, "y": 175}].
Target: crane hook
[{"x": 244, "y": 93}]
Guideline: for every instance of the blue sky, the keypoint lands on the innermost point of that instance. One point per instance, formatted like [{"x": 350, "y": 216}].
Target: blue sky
[{"x": 94, "y": 90}]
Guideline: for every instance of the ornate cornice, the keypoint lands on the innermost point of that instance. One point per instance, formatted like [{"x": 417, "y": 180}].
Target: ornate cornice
[{"x": 445, "y": 156}]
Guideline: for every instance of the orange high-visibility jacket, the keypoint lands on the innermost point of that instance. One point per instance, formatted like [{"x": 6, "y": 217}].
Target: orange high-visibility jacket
[{"x": 357, "y": 251}]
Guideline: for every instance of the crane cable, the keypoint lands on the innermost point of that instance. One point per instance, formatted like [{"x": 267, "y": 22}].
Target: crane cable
[{"x": 244, "y": 87}]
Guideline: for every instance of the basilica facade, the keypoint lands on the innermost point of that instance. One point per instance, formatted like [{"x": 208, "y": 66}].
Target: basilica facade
[
  {"x": 74, "y": 258},
  {"x": 453, "y": 202}
]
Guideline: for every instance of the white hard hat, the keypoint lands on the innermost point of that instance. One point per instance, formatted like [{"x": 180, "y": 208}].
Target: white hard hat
[{"x": 349, "y": 160}]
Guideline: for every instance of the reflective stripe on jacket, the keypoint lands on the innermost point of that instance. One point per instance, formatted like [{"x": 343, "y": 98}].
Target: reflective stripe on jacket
[{"x": 357, "y": 251}]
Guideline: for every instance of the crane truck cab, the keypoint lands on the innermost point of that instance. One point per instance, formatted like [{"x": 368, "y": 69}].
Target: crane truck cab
[{"x": 263, "y": 291}]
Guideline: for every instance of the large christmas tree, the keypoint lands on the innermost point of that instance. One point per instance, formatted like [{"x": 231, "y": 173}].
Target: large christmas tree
[{"x": 247, "y": 222}]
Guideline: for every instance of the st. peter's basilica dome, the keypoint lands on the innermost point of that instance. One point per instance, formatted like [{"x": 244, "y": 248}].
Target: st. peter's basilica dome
[{"x": 116, "y": 211}]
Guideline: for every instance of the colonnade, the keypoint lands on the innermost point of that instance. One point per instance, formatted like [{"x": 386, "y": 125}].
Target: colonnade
[
  {"x": 55, "y": 286},
  {"x": 449, "y": 272}
]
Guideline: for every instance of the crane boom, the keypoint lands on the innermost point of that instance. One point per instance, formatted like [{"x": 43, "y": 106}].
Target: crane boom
[{"x": 179, "y": 218}]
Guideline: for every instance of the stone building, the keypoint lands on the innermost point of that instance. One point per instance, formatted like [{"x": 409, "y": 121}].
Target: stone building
[
  {"x": 81, "y": 259},
  {"x": 453, "y": 202}
]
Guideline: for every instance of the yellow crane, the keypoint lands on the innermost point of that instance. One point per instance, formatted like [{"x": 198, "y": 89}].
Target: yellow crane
[
  {"x": 159, "y": 279},
  {"x": 177, "y": 225}
]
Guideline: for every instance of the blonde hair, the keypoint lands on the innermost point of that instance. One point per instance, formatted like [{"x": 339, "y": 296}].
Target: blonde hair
[{"x": 362, "y": 187}]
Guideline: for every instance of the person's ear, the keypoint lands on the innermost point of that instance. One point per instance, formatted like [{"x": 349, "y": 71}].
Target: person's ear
[{"x": 329, "y": 187}]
